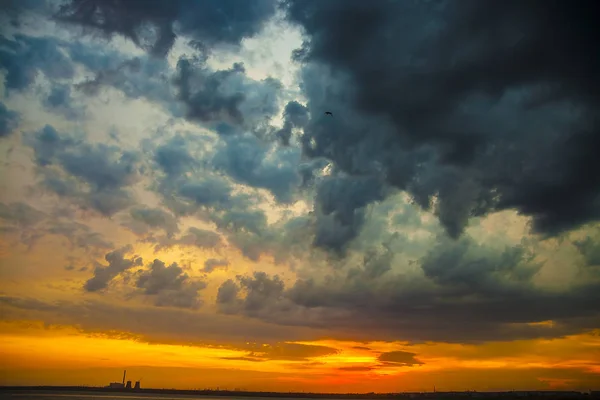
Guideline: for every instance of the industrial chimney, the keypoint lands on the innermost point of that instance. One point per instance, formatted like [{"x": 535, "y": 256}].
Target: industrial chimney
[
  {"x": 124, "y": 373},
  {"x": 128, "y": 386},
  {"x": 137, "y": 385}
]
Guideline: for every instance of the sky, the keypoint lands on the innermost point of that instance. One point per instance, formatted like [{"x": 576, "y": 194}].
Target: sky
[{"x": 174, "y": 200}]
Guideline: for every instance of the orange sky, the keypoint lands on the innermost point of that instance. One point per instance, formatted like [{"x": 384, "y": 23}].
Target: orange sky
[{"x": 34, "y": 353}]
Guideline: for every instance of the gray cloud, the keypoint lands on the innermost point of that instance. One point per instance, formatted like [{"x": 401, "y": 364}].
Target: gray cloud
[
  {"x": 117, "y": 264},
  {"x": 432, "y": 97},
  {"x": 154, "y": 26},
  {"x": 8, "y": 121},
  {"x": 469, "y": 292},
  {"x": 21, "y": 214},
  {"x": 61, "y": 101},
  {"x": 94, "y": 176},
  {"x": 155, "y": 324},
  {"x": 170, "y": 286},
  {"x": 226, "y": 100},
  {"x": 144, "y": 219},
  {"x": 201, "y": 238},
  {"x": 403, "y": 358},
  {"x": 213, "y": 264},
  {"x": 258, "y": 164},
  {"x": 295, "y": 116},
  {"x": 25, "y": 56}
]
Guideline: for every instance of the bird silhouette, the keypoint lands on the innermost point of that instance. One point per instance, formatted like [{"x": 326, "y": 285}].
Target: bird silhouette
[{"x": 328, "y": 113}]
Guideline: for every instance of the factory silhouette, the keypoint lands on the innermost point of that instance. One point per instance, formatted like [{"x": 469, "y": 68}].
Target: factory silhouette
[{"x": 123, "y": 385}]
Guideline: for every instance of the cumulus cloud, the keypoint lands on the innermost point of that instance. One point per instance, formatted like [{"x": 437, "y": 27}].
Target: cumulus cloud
[
  {"x": 60, "y": 100},
  {"x": 225, "y": 99},
  {"x": 432, "y": 97},
  {"x": 170, "y": 286},
  {"x": 194, "y": 237},
  {"x": 94, "y": 176},
  {"x": 144, "y": 218},
  {"x": 253, "y": 162},
  {"x": 8, "y": 121},
  {"x": 24, "y": 57},
  {"x": 482, "y": 292},
  {"x": 117, "y": 264},
  {"x": 154, "y": 26}
]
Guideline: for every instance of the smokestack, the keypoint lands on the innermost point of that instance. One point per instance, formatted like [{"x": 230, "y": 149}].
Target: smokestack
[{"x": 124, "y": 373}]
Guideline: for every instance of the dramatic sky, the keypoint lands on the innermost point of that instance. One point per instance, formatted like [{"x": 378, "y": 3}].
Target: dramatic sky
[{"x": 174, "y": 200}]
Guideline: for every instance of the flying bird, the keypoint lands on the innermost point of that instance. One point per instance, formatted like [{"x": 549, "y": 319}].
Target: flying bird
[{"x": 328, "y": 113}]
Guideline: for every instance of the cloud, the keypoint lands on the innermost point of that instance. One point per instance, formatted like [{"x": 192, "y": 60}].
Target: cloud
[
  {"x": 117, "y": 264},
  {"x": 213, "y": 264},
  {"x": 482, "y": 292},
  {"x": 155, "y": 26},
  {"x": 341, "y": 200},
  {"x": 8, "y": 121},
  {"x": 20, "y": 214},
  {"x": 466, "y": 119},
  {"x": 253, "y": 162},
  {"x": 24, "y": 57},
  {"x": 402, "y": 358},
  {"x": 61, "y": 101},
  {"x": 295, "y": 116},
  {"x": 94, "y": 176},
  {"x": 170, "y": 286},
  {"x": 225, "y": 99},
  {"x": 288, "y": 351},
  {"x": 589, "y": 248},
  {"x": 155, "y": 324},
  {"x": 152, "y": 218}
]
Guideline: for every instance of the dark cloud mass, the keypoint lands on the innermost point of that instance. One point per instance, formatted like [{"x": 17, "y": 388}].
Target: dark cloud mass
[
  {"x": 499, "y": 100},
  {"x": 226, "y": 99},
  {"x": 154, "y": 24},
  {"x": 23, "y": 57},
  {"x": 8, "y": 121}
]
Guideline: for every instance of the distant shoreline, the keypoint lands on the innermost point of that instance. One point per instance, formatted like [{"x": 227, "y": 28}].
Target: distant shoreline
[{"x": 231, "y": 393}]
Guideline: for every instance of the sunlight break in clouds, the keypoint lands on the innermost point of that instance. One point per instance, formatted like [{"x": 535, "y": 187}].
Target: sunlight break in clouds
[{"x": 175, "y": 201}]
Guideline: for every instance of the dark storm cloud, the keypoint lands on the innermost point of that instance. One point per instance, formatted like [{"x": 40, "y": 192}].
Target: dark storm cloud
[
  {"x": 23, "y": 57},
  {"x": 117, "y": 264},
  {"x": 340, "y": 201},
  {"x": 295, "y": 116},
  {"x": 225, "y": 99},
  {"x": 470, "y": 292},
  {"x": 170, "y": 286},
  {"x": 9, "y": 121},
  {"x": 486, "y": 106},
  {"x": 95, "y": 176},
  {"x": 589, "y": 248},
  {"x": 154, "y": 25}
]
